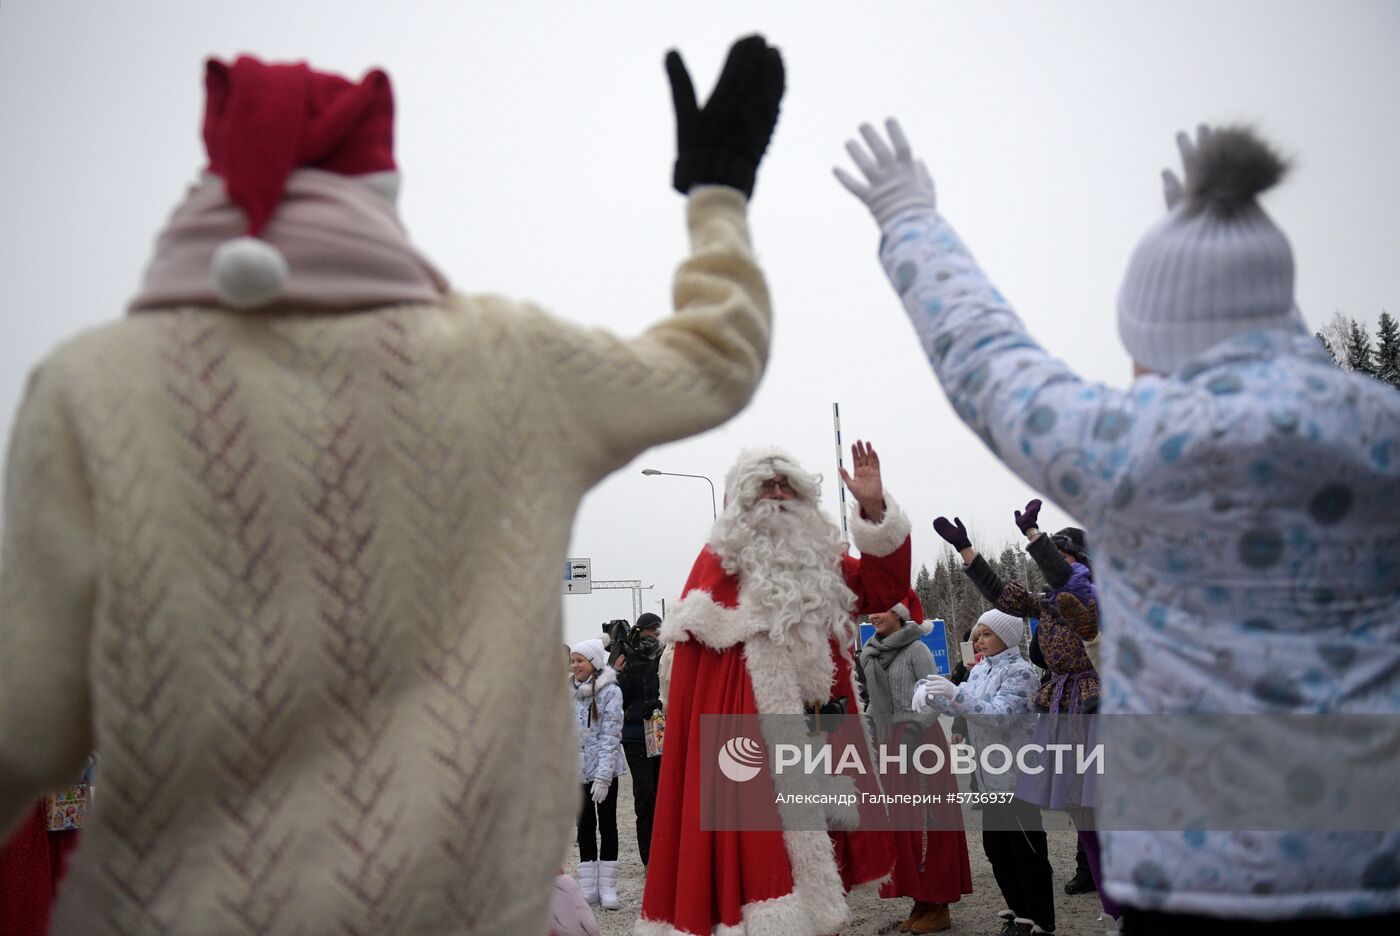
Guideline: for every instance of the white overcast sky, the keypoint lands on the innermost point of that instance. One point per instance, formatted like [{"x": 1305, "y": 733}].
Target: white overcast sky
[{"x": 536, "y": 141}]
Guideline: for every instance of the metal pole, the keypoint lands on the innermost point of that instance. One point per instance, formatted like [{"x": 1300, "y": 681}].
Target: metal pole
[
  {"x": 840, "y": 464},
  {"x": 714, "y": 512}
]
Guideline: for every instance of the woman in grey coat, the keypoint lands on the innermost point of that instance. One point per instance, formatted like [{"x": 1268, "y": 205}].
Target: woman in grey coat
[{"x": 930, "y": 866}]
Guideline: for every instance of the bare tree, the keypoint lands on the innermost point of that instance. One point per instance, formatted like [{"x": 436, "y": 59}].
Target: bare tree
[{"x": 1335, "y": 334}]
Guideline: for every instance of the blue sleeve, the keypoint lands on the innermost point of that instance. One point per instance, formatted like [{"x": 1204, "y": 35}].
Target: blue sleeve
[
  {"x": 1013, "y": 696},
  {"x": 1062, "y": 435}
]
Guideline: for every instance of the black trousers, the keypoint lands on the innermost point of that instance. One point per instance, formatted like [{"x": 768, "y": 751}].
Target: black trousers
[
  {"x": 646, "y": 772},
  {"x": 605, "y": 825},
  {"x": 1153, "y": 924},
  {"x": 1020, "y": 860},
  {"x": 1081, "y": 861}
]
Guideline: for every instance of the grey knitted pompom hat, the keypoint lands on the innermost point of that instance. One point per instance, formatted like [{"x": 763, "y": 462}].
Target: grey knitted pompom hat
[{"x": 1216, "y": 266}]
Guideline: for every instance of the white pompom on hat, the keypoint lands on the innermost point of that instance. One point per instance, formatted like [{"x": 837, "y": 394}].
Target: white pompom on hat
[
  {"x": 262, "y": 122},
  {"x": 1009, "y": 628},
  {"x": 248, "y": 273}
]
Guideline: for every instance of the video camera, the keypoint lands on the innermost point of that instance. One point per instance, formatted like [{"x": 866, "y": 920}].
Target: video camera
[{"x": 624, "y": 640}]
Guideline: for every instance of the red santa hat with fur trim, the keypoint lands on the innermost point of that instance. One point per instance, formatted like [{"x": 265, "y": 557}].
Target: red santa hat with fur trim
[
  {"x": 262, "y": 122},
  {"x": 911, "y": 609}
]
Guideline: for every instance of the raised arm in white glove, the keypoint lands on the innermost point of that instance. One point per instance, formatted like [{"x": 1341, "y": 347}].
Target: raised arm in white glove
[
  {"x": 897, "y": 182},
  {"x": 933, "y": 692},
  {"x": 599, "y": 792}
]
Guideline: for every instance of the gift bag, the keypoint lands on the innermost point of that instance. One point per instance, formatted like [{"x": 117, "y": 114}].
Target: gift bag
[
  {"x": 68, "y": 808},
  {"x": 654, "y": 729}
]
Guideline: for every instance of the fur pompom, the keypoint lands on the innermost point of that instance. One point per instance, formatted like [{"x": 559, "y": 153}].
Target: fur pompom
[
  {"x": 248, "y": 273},
  {"x": 1232, "y": 167}
]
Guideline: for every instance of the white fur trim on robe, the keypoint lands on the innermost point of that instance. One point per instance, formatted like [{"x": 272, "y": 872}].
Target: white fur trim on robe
[
  {"x": 883, "y": 538},
  {"x": 698, "y": 615}
]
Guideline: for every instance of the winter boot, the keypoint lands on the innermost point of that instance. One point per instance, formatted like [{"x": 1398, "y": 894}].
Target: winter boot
[
  {"x": 1081, "y": 883},
  {"x": 607, "y": 885},
  {"x": 934, "y": 920},
  {"x": 914, "y": 913},
  {"x": 588, "y": 881}
]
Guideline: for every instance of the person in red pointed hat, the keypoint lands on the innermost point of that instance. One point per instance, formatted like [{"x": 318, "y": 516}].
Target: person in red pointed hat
[
  {"x": 258, "y": 532},
  {"x": 764, "y": 627}
]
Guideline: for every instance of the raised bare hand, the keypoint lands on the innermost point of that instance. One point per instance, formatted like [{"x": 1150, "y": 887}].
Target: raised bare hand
[{"x": 865, "y": 482}]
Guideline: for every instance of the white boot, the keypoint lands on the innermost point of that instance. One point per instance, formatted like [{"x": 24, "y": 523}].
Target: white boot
[
  {"x": 588, "y": 881},
  {"x": 607, "y": 884}
]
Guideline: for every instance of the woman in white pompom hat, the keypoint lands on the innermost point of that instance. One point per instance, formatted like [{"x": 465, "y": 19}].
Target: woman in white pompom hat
[{"x": 1240, "y": 485}]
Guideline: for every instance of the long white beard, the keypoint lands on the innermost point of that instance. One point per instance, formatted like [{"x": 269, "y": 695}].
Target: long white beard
[{"x": 787, "y": 556}]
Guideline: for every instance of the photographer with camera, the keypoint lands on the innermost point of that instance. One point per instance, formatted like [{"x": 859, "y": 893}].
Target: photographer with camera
[{"x": 637, "y": 658}]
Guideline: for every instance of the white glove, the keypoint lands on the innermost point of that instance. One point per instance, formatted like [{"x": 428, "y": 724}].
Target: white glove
[
  {"x": 898, "y": 182},
  {"x": 600, "y": 790},
  {"x": 932, "y": 690}
]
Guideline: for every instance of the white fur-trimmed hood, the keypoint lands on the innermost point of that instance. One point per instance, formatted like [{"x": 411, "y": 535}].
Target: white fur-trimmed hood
[{"x": 608, "y": 677}]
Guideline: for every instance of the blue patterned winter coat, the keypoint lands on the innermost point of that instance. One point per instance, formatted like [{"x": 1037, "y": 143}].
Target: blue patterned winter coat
[
  {"x": 1246, "y": 520},
  {"x": 1000, "y": 685},
  {"x": 600, "y": 755}
]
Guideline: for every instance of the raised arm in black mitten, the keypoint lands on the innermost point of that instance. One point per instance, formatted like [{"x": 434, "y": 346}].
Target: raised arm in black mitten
[
  {"x": 1051, "y": 561},
  {"x": 954, "y": 534},
  {"x": 1026, "y": 520},
  {"x": 723, "y": 142}
]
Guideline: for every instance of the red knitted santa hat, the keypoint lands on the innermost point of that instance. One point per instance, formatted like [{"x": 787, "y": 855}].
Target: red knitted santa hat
[
  {"x": 263, "y": 121},
  {"x": 910, "y": 609}
]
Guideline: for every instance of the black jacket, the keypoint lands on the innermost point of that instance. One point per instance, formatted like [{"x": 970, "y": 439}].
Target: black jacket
[{"x": 641, "y": 694}]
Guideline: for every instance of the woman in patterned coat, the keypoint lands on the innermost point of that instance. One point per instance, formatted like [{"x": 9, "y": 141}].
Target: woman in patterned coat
[
  {"x": 598, "y": 713},
  {"x": 1241, "y": 492},
  {"x": 1002, "y": 685}
]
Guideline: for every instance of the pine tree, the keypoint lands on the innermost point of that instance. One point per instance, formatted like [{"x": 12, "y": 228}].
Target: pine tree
[
  {"x": 942, "y": 594},
  {"x": 1326, "y": 345},
  {"x": 966, "y": 604},
  {"x": 923, "y": 587},
  {"x": 1388, "y": 350},
  {"x": 1359, "y": 350},
  {"x": 1011, "y": 562}
]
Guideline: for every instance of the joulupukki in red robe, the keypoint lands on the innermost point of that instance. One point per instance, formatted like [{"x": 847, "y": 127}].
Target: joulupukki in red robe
[{"x": 774, "y": 881}]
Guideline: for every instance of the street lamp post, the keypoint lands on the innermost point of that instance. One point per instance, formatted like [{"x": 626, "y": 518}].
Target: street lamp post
[{"x": 649, "y": 472}]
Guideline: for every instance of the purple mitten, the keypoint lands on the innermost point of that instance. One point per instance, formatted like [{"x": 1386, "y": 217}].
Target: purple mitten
[
  {"x": 955, "y": 533},
  {"x": 1025, "y": 519}
]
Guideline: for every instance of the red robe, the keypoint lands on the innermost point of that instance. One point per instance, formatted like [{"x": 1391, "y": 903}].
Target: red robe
[
  {"x": 31, "y": 864},
  {"x": 768, "y": 881}
]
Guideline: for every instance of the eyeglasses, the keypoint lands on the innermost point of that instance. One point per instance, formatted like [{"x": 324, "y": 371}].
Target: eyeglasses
[{"x": 773, "y": 485}]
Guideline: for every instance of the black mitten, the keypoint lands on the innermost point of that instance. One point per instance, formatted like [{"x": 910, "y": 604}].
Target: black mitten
[
  {"x": 723, "y": 142},
  {"x": 828, "y": 716},
  {"x": 954, "y": 533}
]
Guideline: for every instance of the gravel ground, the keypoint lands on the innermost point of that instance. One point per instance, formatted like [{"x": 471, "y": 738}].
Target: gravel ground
[{"x": 976, "y": 913}]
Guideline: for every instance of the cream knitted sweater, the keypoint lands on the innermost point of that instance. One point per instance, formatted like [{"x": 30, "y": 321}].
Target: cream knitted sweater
[{"x": 257, "y": 563}]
